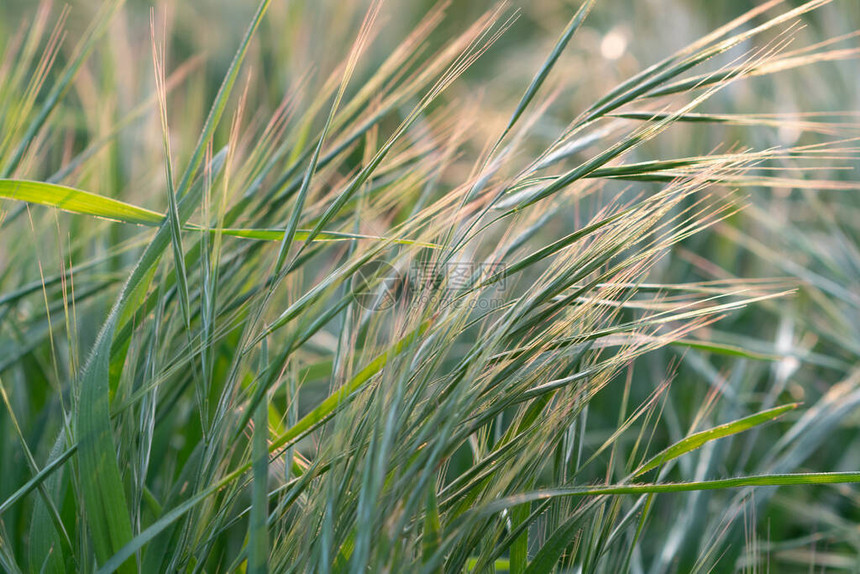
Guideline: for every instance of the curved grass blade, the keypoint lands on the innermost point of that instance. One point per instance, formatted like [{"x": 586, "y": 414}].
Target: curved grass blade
[
  {"x": 168, "y": 518},
  {"x": 432, "y": 537},
  {"x": 334, "y": 401},
  {"x": 723, "y": 349},
  {"x": 103, "y": 492},
  {"x": 40, "y": 477},
  {"x": 87, "y": 203},
  {"x": 258, "y": 542},
  {"x": 77, "y": 201},
  {"x": 220, "y": 102},
  {"x": 572, "y": 26},
  {"x": 47, "y": 522},
  {"x": 553, "y": 549},
  {"x": 789, "y": 479},
  {"x": 696, "y": 440}
]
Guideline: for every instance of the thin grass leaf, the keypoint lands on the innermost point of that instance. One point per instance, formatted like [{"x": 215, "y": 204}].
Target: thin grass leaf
[
  {"x": 571, "y": 29},
  {"x": 432, "y": 536},
  {"x": 258, "y": 541},
  {"x": 790, "y": 479},
  {"x": 86, "y": 203},
  {"x": 696, "y": 440}
]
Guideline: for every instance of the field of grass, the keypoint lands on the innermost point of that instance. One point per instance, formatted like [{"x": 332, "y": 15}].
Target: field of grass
[{"x": 406, "y": 286}]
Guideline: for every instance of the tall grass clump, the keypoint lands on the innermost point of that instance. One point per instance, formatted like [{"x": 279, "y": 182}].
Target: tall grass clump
[{"x": 365, "y": 295}]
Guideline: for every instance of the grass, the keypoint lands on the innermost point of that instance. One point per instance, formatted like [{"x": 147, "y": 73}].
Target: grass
[{"x": 607, "y": 309}]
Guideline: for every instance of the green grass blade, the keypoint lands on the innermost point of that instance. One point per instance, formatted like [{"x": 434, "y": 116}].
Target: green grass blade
[
  {"x": 40, "y": 477},
  {"x": 723, "y": 349},
  {"x": 117, "y": 560},
  {"x": 220, "y": 102},
  {"x": 258, "y": 543},
  {"x": 698, "y": 439},
  {"x": 334, "y": 401},
  {"x": 103, "y": 492},
  {"x": 431, "y": 537},
  {"x": 172, "y": 204},
  {"x": 47, "y": 523},
  {"x": 77, "y": 201},
  {"x": 571, "y": 29},
  {"x": 86, "y": 203},
  {"x": 790, "y": 479},
  {"x": 520, "y": 546},
  {"x": 550, "y": 552}
]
